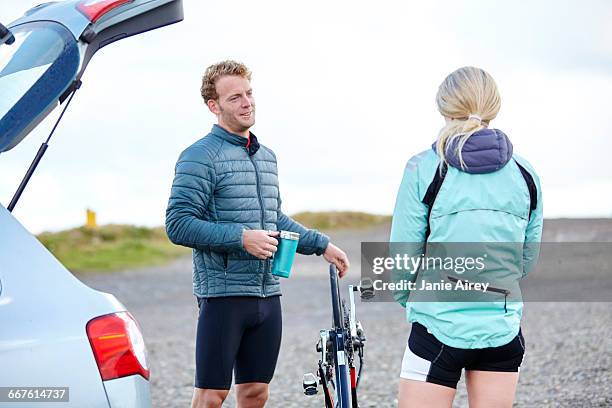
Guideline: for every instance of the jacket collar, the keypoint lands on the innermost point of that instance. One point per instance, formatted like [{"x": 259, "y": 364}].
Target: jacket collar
[{"x": 251, "y": 143}]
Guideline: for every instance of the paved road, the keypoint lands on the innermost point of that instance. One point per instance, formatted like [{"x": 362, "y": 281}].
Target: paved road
[{"x": 568, "y": 362}]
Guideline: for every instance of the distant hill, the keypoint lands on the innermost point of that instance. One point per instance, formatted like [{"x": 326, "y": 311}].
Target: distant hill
[
  {"x": 111, "y": 247},
  {"x": 335, "y": 220},
  {"x": 577, "y": 230},
  {"x": 114, "y": 247}
]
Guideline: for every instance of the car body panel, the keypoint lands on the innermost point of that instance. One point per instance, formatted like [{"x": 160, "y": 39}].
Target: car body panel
[
  {"x": 44, "y": 310},
  {"x": 128, "y": 392},
  {"x": 75, "y": 21}
]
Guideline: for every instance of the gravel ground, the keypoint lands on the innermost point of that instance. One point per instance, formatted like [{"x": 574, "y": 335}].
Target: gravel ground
[{"x": 568, "y": 362}]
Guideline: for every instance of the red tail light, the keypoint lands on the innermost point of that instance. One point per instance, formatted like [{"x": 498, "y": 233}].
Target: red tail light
[
  {"x": 118, "y": 346},
  {"x": 94, "y": 9}
]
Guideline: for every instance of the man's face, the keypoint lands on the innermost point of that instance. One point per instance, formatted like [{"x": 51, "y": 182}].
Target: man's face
[{"x": 235, "y": 106}]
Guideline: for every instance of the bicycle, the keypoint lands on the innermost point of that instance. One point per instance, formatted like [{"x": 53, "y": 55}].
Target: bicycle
[{"x": 339, "y": 347}]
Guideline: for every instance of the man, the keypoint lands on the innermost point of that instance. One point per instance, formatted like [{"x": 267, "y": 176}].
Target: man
[{"x": 225, "y": 204}]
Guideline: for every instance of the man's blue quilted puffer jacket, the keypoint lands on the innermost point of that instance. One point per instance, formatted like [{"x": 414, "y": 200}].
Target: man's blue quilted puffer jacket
[{"x": 221, "y": 187}]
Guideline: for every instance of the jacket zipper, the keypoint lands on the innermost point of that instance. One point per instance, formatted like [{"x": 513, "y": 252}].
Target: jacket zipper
[
  {"x": 505, "y": 292},
  {"x": 261, "y": 209}
]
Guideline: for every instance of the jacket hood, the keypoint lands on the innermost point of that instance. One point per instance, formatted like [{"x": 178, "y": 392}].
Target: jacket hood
[{"x": 486, "y": 151}]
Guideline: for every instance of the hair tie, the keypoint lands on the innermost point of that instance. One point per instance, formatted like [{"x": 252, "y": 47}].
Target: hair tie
[{"x": 472, "y": 116}]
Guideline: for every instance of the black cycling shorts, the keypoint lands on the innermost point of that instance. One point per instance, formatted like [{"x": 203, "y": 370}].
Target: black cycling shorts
[
  {"x": 237, "y": 333},
  {"x": 427, "y": 359}
]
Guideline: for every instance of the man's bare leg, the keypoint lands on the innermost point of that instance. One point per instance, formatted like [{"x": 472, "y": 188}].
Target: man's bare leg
[
  {"x": 252, "y": 395},
  {"x": 208, "y": 398}
]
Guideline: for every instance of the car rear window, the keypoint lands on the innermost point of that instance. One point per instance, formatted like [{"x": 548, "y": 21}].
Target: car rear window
[{"x": 34, "y": 71}]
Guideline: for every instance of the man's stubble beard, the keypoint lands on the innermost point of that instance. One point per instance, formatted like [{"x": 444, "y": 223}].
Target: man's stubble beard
[{"x": 234, "y": 123}]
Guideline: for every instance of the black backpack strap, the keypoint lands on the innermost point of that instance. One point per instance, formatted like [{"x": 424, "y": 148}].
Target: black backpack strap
[
  {"x": 531, "y": 186},
  {"x": 432, "y": 193}
]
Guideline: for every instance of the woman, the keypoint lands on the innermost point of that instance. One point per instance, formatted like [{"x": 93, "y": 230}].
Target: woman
[{"x": 469, "y": 187}]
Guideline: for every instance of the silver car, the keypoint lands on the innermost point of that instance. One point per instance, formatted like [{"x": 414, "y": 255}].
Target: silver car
[{"x": 59, "y": 339}]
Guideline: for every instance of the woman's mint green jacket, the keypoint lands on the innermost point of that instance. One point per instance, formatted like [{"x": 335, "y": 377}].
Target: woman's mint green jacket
[{"x": 488, "y": 201}]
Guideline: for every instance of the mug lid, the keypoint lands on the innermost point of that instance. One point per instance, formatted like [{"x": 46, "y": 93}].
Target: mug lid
[{"x": 290, "y": 235}]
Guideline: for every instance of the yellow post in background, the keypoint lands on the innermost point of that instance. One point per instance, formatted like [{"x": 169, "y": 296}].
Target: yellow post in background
[{"x": 91, "y": 219}]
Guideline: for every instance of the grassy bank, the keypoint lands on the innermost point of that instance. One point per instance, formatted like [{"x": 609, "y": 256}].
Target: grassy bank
[
  {"x": 337, "y": 220},
  {"x": 115, "y": 247},
  {"x": 111, "y": 247}
]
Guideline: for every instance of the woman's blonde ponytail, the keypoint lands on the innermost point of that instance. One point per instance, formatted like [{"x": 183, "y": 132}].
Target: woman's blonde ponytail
[{"x": 469, "y": 97}]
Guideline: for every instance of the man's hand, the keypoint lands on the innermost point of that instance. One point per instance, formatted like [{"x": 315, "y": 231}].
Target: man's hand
[
  {"x": 336, "y": 256},
  {"x": 260, "y": 243}
]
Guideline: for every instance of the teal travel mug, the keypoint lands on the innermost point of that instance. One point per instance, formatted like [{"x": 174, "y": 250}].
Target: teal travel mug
[{"x": 283, "y": 258}]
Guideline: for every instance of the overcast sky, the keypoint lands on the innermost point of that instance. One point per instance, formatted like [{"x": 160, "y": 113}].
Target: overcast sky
[{"x": 345, "y": 93}]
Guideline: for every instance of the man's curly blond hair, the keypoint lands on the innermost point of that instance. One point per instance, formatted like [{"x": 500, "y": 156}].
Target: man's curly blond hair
[{"x": 216, "y": 71}]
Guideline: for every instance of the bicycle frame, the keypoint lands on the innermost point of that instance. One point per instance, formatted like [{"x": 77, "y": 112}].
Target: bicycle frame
[
  {"x": 338, "y": 337},
  {"x": 339, "y": 348}
]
